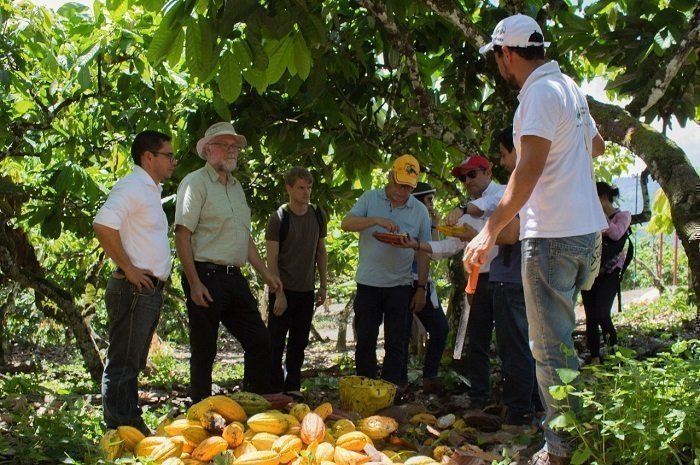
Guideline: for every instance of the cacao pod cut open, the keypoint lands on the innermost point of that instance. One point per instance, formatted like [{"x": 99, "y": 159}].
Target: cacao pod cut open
[{"x": 390, "y": 238}]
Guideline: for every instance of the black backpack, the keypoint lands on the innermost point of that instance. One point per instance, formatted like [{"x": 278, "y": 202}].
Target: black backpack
[
  {"x": 611, "y": 249},
  {"x": 283, "y": 214}
]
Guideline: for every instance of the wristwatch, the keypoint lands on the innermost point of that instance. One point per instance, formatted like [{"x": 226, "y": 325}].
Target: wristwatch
[{"x": 463, "y": 206}]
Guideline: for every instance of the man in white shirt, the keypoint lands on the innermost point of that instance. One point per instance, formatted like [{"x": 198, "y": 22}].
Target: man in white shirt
[
  {"x": 133, "y": 231},
  {"x": 553, "y": 188}
]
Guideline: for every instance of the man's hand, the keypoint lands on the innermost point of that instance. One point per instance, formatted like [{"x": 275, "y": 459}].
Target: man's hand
[
  {"x": 418, "y": 300},
  {"x": 273, "y": 281},
  {"x": 468, "y": 234},
  {"x": 478, "y": 248},
  {"x": 387, "y": 224},
  {"x": 280, "y": 304},
  {"x": 139, "y": 277},
  {"x": 200, "y": 294},
  {"x": 321, "y": 296},
  {"x": 454, "y": 215}
]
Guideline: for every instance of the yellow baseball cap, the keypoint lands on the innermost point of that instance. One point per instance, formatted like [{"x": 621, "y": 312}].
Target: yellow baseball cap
[{"x": 405, "y": 170}]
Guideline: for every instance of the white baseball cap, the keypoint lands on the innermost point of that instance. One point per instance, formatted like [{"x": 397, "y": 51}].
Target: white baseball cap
[{"x": 516, "y": 31}]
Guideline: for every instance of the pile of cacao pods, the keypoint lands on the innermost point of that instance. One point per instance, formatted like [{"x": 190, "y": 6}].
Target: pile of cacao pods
[{"x": 248, "y": 429}]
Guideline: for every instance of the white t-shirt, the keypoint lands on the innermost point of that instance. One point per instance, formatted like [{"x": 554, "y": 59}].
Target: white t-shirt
[
  {"x": 564, "y": 202},
  {"x": 134, "y": 209}
]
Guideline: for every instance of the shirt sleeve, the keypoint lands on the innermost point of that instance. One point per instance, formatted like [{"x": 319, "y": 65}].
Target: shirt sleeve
[
  {"x": 618, "y": 224},
  {"x": 190, "y": 200},
  {"x": 272, "y": 231},
  {"x": 120, "y": 202},
  {"x": 361, "y": 207},
  {"x": 540, "y": 115}
]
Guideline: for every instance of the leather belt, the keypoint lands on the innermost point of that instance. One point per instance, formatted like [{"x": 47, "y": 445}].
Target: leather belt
[
  {"x": 228, "y": 269},
  {"x": 158, "y": 285}
]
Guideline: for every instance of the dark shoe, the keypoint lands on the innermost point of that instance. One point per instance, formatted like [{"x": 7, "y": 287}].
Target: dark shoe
[
  {"x": 517, "y": 418},
  {"x": 545, "y": 458},
  {"x": 432, "y": 385},
  {"x": 477, "y": 403}
]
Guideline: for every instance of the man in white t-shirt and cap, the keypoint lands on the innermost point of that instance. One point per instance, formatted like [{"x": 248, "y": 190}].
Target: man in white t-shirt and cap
[
  {"x": 213, "y": 242},
  {"x": 553, "y": 189}
]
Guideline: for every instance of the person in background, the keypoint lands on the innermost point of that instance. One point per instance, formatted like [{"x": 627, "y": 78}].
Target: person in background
[
  {"x": 520, "y": 391},
  {"x": 385, "y": 289},
  {"x": 432, "y": 316},
  {"x": 213, "y": 242},
  {"x": 133, "y": 231},
  {"x": 296, "y": 247},
  {"x": 553, "y": 188},
  {"x": 597, "y": 301}
]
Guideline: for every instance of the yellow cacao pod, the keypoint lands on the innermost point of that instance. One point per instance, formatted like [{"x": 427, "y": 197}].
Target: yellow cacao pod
[
  {"x": 355, "y": 440},
  {"x": 263, "y": 457},
  {"x": 420, "y": 460},
  {"x": 440, "y": 451},
  {"x": 173, "y": 461},
  {"x": 288, "y": 447},
  {"x": 178, "y": 426},
  {"x": 291, "y": 419},
  {"x": 342, "y": 426},
  {"x": 268, "y": 422},
  {"x": 210, "y": 447},
  {"x": 312, "y": 428},
  {"x": 328, "y": 437},
  {"x": 191, "y": 461},
  {"x": 186, "y": 446},
  {"x": 264, "y": 441},
  {"x": 324, "y": 410},
  {"x": 197, "y": 410},
  {"x": 252, "y": 403},
  {"x": 426, "y": 418},
  {"x": 166, "y": 450},
  {"x": 245, "y": 448},
  {"x": 194, "y": 435},
  {"x": 228, "y": 408},
  {"x": 324, "y": 451},
  {"x": 131, "y": 436},
  {"x": 327, "y": 462},
  {"x": 212, "y": 422},
  {"x": 112, "y": 445},
  {"x": 377, "y": 426},
  {"x": 299, "y": 411},
  {"x": 342, "y": 456},
  {"x": 147, "y": 444},
  {"x": 160, "y": 429},
  {"x": 234, "y": 434}
]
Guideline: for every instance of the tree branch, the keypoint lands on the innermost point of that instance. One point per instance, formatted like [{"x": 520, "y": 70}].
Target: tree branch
[
  {"x": 643, "y": 101},
  {"x": 453, "y": 15}
]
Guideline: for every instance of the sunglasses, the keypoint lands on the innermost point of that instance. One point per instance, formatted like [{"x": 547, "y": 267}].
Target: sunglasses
[{"x": 471, "y": 175}]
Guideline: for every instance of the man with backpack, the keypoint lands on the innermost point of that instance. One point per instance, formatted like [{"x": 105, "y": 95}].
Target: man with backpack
[{"x": 295, "y": 241}]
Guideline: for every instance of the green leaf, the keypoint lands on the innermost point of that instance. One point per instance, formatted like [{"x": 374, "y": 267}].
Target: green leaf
[
  {"x": 221, "y": 108},
  {"x": 84, "y": 77},
  {"x": 563, "y": 421},
  {"x": 280, "y": 53},
  {"x": 567, "y": 375},
  {"x": 580, "y": 456},
  {"x": 302, "y": 57},
  {"x": 560, "y": 392},
  {"x": 175, "y": 54},
  {"x": 230, "y": 78},
  {"x": 162, "y": 40},
  {"x": 242, "y": 53},
  {"x": 256, "y": 78}
]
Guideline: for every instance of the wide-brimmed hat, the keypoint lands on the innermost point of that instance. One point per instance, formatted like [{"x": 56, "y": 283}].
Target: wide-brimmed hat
[
  {"x": 405, "y": 170},
  {"x": 474, "y": 162},
  {"x": 516, "y": 31},
  {"x": 423, "y": 188},
  {"x": 218, "y": 129}
]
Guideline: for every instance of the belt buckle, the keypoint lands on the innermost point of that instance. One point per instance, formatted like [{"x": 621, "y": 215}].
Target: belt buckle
[{"x": 230, "y": 269}]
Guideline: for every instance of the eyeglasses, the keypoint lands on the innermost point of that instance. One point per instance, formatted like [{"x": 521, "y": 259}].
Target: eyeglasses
[
  {"x": 471, "y": 175},
  {"x": 171, "y": 156},
  {"x": 226, "y": 147}
]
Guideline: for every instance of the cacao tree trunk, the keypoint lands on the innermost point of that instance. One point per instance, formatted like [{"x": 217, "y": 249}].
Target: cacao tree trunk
[
  {"x": 670, "y": 167},
  {"x": 341, "y": 344},
  {"x": 53, "y": 301}
]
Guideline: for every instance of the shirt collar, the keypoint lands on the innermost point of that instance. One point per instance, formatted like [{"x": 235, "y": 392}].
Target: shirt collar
[
  {"x": 550, "y": 67},
  {"x": 214, "y": 175},
  {"x": 146, "y": 178},
  {"x": 491, "y": 188}
]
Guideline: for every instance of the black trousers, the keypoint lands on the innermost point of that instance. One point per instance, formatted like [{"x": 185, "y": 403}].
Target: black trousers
[
  {"x": 235, "y": 307},
  {"x": 597, "y": 302},
  {"x": 295, "y": 322}
]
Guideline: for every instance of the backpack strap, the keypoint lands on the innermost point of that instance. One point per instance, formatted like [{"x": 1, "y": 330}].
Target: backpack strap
[
  {"x": 628, "y": 259},
  {"x": 283, "y": 215}
]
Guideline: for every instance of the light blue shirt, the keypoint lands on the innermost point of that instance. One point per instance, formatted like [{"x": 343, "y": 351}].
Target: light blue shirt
[{"x": 383, "y": 265}]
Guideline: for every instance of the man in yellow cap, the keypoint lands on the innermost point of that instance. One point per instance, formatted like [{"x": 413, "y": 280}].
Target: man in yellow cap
[{"x": 385, "y": 290}]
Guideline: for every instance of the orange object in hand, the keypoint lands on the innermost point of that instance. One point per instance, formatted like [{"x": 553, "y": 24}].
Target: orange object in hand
[{"x": 471, "y": 282}]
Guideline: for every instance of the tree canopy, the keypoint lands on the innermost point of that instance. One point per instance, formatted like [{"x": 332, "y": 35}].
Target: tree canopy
[{"x": 340, "y": 86}]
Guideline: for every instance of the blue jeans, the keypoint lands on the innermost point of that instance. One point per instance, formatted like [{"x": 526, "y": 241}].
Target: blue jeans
[
  {"x": 133, "y": 317},
  {"x": 295, "y": 322},
  {"x": 553, "y": 272},
  {"x": 372, "y": 306},
  {"x": 517, "y": 365}
]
